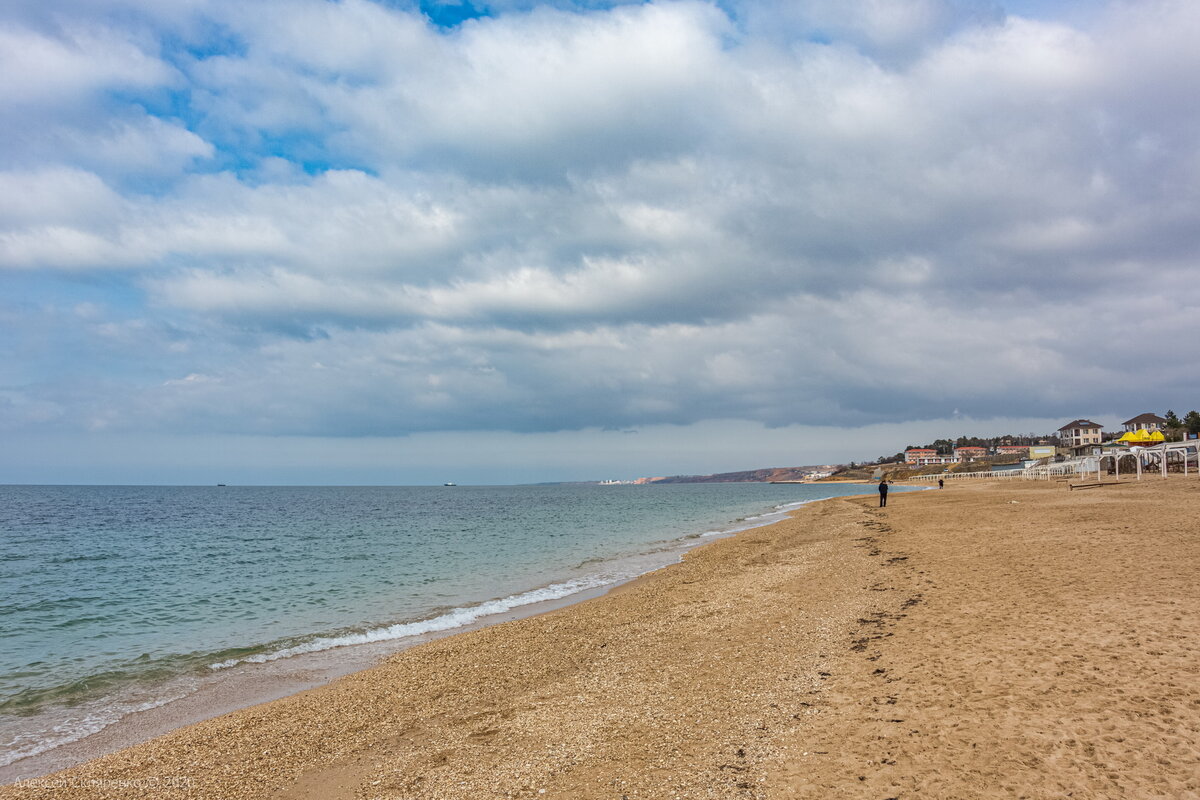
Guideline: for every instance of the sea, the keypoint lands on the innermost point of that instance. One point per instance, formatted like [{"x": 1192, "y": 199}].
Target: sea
[{"x": 119, "y": 600}]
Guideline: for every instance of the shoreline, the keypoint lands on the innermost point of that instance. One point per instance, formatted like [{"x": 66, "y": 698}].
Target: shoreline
[
  {"x": 987, "y": 640},
  {"x": 247, "y": 685},
  {"x": 253, "y": 682},
  {"x": 284, "y": 708}
]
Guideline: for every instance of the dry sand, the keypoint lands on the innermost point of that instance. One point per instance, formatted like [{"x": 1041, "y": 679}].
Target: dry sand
[{"x": 1010, "y": 640}]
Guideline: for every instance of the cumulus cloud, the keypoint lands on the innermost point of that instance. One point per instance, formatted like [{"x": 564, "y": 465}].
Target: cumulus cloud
[
  {"x": 889, "y": 31},
  {"x": 341, "y": 219},
  {"x": 50, "y": 72}
]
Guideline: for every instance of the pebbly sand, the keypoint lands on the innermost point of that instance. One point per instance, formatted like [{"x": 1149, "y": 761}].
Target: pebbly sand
[{"x": 998, "y": 640}]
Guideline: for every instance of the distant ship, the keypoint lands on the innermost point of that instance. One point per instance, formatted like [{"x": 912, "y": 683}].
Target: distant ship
[{"x": 451, "y": 483}]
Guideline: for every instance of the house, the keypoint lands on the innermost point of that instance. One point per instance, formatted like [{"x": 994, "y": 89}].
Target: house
[
  {"x": 969, "y": 453},
  {"x": 1012, "y": 450},
  {"x": 1147, "y": 421},
  {"x": 915, "y": 455},
  {"x": 920, "y": 456},
  {"x": 1080, "y": 433}
]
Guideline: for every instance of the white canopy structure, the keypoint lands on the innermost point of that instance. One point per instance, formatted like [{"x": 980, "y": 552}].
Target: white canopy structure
[{"x": 1159, "y": 456}]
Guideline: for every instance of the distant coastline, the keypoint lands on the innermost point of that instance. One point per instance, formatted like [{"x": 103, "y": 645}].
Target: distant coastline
[{"x": 803, "y": 474}]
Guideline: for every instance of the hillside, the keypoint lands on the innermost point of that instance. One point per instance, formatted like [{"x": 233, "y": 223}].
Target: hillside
[
  {"x": 900, "y": 471},
  {"x": 747, "y": 476},
  {"x": 892, "y": 471}
]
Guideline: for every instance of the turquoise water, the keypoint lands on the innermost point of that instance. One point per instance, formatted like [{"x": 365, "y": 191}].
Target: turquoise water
[{"x": 107, "y": 588}]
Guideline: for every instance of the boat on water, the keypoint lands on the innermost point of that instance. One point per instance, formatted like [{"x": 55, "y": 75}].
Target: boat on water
[{"x": 451, "y": 483}]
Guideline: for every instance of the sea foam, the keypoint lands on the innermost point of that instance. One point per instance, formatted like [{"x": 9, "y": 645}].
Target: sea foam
[{"x": 455, "y": 618}]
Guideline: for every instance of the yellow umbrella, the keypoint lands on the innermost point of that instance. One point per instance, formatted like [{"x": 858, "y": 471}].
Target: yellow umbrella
[{"x": 1157, "y": 437}]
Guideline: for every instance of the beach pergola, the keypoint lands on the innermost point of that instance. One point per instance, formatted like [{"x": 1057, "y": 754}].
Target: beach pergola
[{"x": 1162, "y": 454}]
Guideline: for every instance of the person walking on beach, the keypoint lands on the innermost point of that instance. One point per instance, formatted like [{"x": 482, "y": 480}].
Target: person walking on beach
[
  {"x": 941, "y": 483},
  {"x": 883, "y": 487}
]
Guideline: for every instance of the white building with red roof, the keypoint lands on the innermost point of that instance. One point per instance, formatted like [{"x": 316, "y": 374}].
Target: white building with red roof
[{"x": 921, "y": 456}]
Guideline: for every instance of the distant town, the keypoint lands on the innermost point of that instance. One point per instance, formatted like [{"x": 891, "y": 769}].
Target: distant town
[{"x": 1076, "y": 438}]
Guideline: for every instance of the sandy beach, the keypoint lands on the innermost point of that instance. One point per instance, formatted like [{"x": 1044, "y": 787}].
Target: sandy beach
[{"x": 986, "y": 640}]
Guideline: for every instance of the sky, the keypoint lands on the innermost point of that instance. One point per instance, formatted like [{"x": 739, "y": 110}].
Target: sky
[{"x": 303, "y": 241}]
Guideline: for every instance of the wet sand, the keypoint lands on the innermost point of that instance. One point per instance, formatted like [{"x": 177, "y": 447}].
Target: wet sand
[{"x": 999, "y": 640}]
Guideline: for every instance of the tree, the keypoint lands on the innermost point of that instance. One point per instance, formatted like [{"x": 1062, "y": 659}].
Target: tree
[
  {"x": 1192, "y": 421},
  {"x": 1173, "y": 430}
]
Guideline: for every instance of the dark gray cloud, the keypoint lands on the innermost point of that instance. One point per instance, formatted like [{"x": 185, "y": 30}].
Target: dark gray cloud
[{"x": 334, "y": 219}]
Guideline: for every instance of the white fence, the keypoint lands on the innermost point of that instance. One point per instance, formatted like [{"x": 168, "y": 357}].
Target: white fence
[
  {"x": 1157, "y": 458},
  {"x": 1044, "y": 472},
  {"x": 1008, "y": 475}
]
